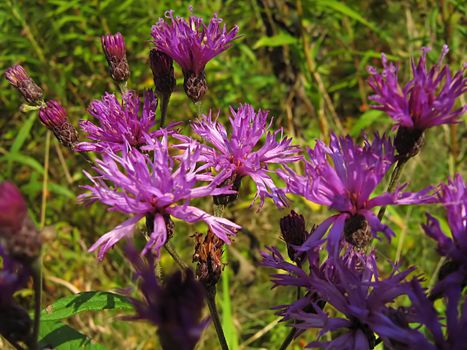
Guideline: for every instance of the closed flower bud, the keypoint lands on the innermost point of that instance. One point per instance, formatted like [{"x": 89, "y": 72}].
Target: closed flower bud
[
  {"x": 163, "y": 72},
  {"x": 195, "y": 85},
  {"x": 19, "y": 78},
  {"x": 294, "y": 234},
  {"x": 208, "y": 254},
  {"x": 115, "y": 53},
  {"x": 54, "y": 117},
  {"x": 13, "y": 209},
  {"x": 408, "y": 142}
]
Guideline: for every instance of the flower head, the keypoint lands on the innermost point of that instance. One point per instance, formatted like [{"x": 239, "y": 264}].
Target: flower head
[
  {"x": 425, "y": 101},
  {"x": 192, "y": 45},
  {"x": 175, "y": 307},
  {"x": 114, "y": 49},
  {"x": 13, "y": 209},
  {"x": 135, "y": 184},
  {"x": 453, "y": 195},
  {"x": 343, "y": 177},
  {"x": 19, "y": 78},
  {"x": 241, "y": 155},
  {"x": 54, "y": 117},
  {"x": 120, "y": 124}
]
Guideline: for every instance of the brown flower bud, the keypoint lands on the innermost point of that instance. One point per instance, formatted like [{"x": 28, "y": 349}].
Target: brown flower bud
[
  {"x": 163, "y": 72},
  {"x": 294, "y": 234},
  {"x": 19, "y": 78},
  {"x": 115, "y": 53},
  {"x": 208, "y": 255},
  {"x": 408, "y": 142},
  {"x": 195, "y": 85},
  {"x": 54, "y": 117},
  {"x": 357, "y": 231}
]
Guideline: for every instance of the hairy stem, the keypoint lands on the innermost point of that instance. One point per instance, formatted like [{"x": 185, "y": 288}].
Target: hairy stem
[
  {"x": 395, "y": 176},
  {"x": 211, "y": 299}
]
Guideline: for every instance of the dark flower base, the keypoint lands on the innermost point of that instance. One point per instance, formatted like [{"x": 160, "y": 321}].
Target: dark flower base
[
  {"x": 408, "y": 142},
  {"x": 225, "y": 199},
  {"x": 357, "y": 231},
  {"x": 195, "y": 85}
]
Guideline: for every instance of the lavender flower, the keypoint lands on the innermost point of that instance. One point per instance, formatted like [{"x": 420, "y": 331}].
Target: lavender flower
[
  {"x": 192, "y": 45},
  {"x": 20, "y": 79},
  {"x": 454, "y": 272},
  {"x": 345, "y": 185},
  {"x": 175, "y": 307},
  {"x": 54, "y": 117},
  {"x": 134, "y": 184},
  {"x": 236, "y": 156},
  {"x": 114, "y": 49},
  {"x": 120, "y": 125},
  {"x": 425, "y": 101}
]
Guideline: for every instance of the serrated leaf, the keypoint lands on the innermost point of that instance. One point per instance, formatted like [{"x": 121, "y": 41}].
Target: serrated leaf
[
  {"x": 59, "y": 336},
  {"x": 275, "y": 40},
  {"x": 86, "y": 301}
]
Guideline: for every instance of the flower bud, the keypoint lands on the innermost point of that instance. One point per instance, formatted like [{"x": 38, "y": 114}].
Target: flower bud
[
  {"x": 13, "y": 209},
  {"x": 294, "y": 234},
  {"x": 115, "y": 53},
  {"x": 19, "y": 78},
  {"x": 223, "y": 199},
  {"x": 195, "y": 85},
  {"x": 54, "y": 117},
  {"x": 25, "y": 245},
  {"x": 208, "y": 254},
  {"x": 408, "y": 142},
  {"x": 163, "y": 72},
  {"x": 357, "y": 231}
]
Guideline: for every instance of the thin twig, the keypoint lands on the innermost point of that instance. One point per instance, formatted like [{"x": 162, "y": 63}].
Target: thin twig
[
  {"x": 169, "y": 247},
  {"x": 61, "y": 158},
  {"x": 211, "y": 299}
]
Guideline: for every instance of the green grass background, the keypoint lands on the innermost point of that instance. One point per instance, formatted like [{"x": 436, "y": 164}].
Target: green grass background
[{"x": 305, "y": 61}]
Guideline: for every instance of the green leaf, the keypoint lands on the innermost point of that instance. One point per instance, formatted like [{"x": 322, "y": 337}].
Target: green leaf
[
  {"x": 23, "y": 133},
  {"x": 366, "y": 119},
  {"x": 59, "y": 336},
  {"x": 23, "y": 159},
  {"x": 86, "y": 301},
  {"x": 275, "y": 40},
  {"x": 227, "y": 319},
  {"x": 347, "y": 11}
]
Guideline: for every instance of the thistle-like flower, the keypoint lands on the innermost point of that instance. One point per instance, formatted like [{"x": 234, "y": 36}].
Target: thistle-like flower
[
  {"x": 120, "y": 124},
  {"x": 453, "y": 273},
  {"x": 175, "y": 307},
  {"x": 192, "y": 45},
  {"x": 54, "y": 117},
  {"x": 159, "y": 188},
  {"x": 241, "y": 154},
  {"x": 425, "y": 101},
  {"x": 345, "y": 185},
  {"x": 19, "y": 78},
  {"x": 114, "y": 49}
]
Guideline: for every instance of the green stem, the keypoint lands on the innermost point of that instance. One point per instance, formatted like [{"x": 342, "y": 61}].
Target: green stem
[
  {"x": 211, "y": 299},
  {"x": 177, "y": 258},
  {"x": 37, "y": 285},
  {"x": 395, "y": 176},
  {"x": 123, "y": 87}
]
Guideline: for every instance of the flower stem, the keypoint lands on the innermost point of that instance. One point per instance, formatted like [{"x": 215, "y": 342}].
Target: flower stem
[
  {"x": 211, "y": 299},
  {"x": 177, "y": 258},
  {"x": 395, "y": 176},
  {"x": 164, "y": 104},
  {"x": 37, "y": 285}
]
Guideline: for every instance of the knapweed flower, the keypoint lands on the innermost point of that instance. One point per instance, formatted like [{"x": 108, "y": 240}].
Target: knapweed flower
[
  {"x": 160, "y": 187},
  {"x": 425, "y": 101},
  {"x": 353, "y": 287},
  {"x": 343, "y": 176},
  {"x": 453, "y": 196},
  {"x": 114, "y": 49},
  {"x": 162, "y": 72},
  {"x": 120, "y": 124},
  {"x": 54, "y": 117},
  {"x": 240, "y": 155},
  {"x": 175, "y": 307},
  {"x": 192, "y": 45},
  {"x": 19, "y": 78}
]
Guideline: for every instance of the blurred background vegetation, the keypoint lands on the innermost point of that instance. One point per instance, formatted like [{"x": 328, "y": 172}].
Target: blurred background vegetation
[{"x": 304, "y": 60}]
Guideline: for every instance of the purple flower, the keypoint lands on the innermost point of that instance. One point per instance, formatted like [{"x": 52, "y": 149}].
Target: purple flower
[
  {"x": 114, "y": 49},
  {"x": 13, "y": 277},
  {"x": 192, "y": 45},
  {"x": 158, "y": 188},
  {"x": 175, "y": 307},
  {"x": 19, "y": 78},
  {"x": 345, "y": 184},
  {"x": 120, "y": 124},
  {"x": 241, "y": 155},
  {"x": 13, "y": 209},
  {"x": 425, "y": 101},
  {"x": 453, "y": 195},
  {"x": 54, "y": 117}
]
